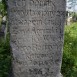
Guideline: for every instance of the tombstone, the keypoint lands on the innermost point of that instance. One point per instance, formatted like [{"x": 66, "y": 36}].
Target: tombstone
[
  {"x": 69, "y": 20},
  {"x": 4, "y": 19},
  {"x": 36, "y": 37},
  {"x": 2, "y": 29}
]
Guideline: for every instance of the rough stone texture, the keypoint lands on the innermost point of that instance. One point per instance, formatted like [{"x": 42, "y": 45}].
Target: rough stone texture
[{"x": 36, "y": 33}]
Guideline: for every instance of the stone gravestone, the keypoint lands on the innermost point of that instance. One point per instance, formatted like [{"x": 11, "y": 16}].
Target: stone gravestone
[{"x": 36, "y": 37}]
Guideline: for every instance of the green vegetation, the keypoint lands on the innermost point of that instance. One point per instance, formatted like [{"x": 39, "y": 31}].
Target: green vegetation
[
  {"x": 3, "y": 8},
  {"x": 5, "y": 58},
  {"x": 69, "y": 65}
]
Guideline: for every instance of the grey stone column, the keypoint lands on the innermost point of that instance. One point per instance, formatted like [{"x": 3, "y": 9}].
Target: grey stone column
[{"x": 36, "y": 37}]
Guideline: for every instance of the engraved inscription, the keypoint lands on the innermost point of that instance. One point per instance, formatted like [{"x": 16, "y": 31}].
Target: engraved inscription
[{"x": 36, "y": 36}]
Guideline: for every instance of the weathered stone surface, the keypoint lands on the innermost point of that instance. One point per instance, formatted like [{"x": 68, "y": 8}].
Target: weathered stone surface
[{"x": 36, "y": 33}]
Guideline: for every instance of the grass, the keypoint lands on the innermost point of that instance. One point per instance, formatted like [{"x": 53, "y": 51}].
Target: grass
[
  {"x": 0, "y": 20},
  {"x": 5, "y": 58},
  {"x": 71, "y": 31},
  {"x": 69, "y": 65}
]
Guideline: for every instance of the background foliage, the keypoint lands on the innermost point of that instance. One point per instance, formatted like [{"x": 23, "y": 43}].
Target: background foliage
[
  {"x": 69, "y": 65},
  {"x": 5, "y": 57}
]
